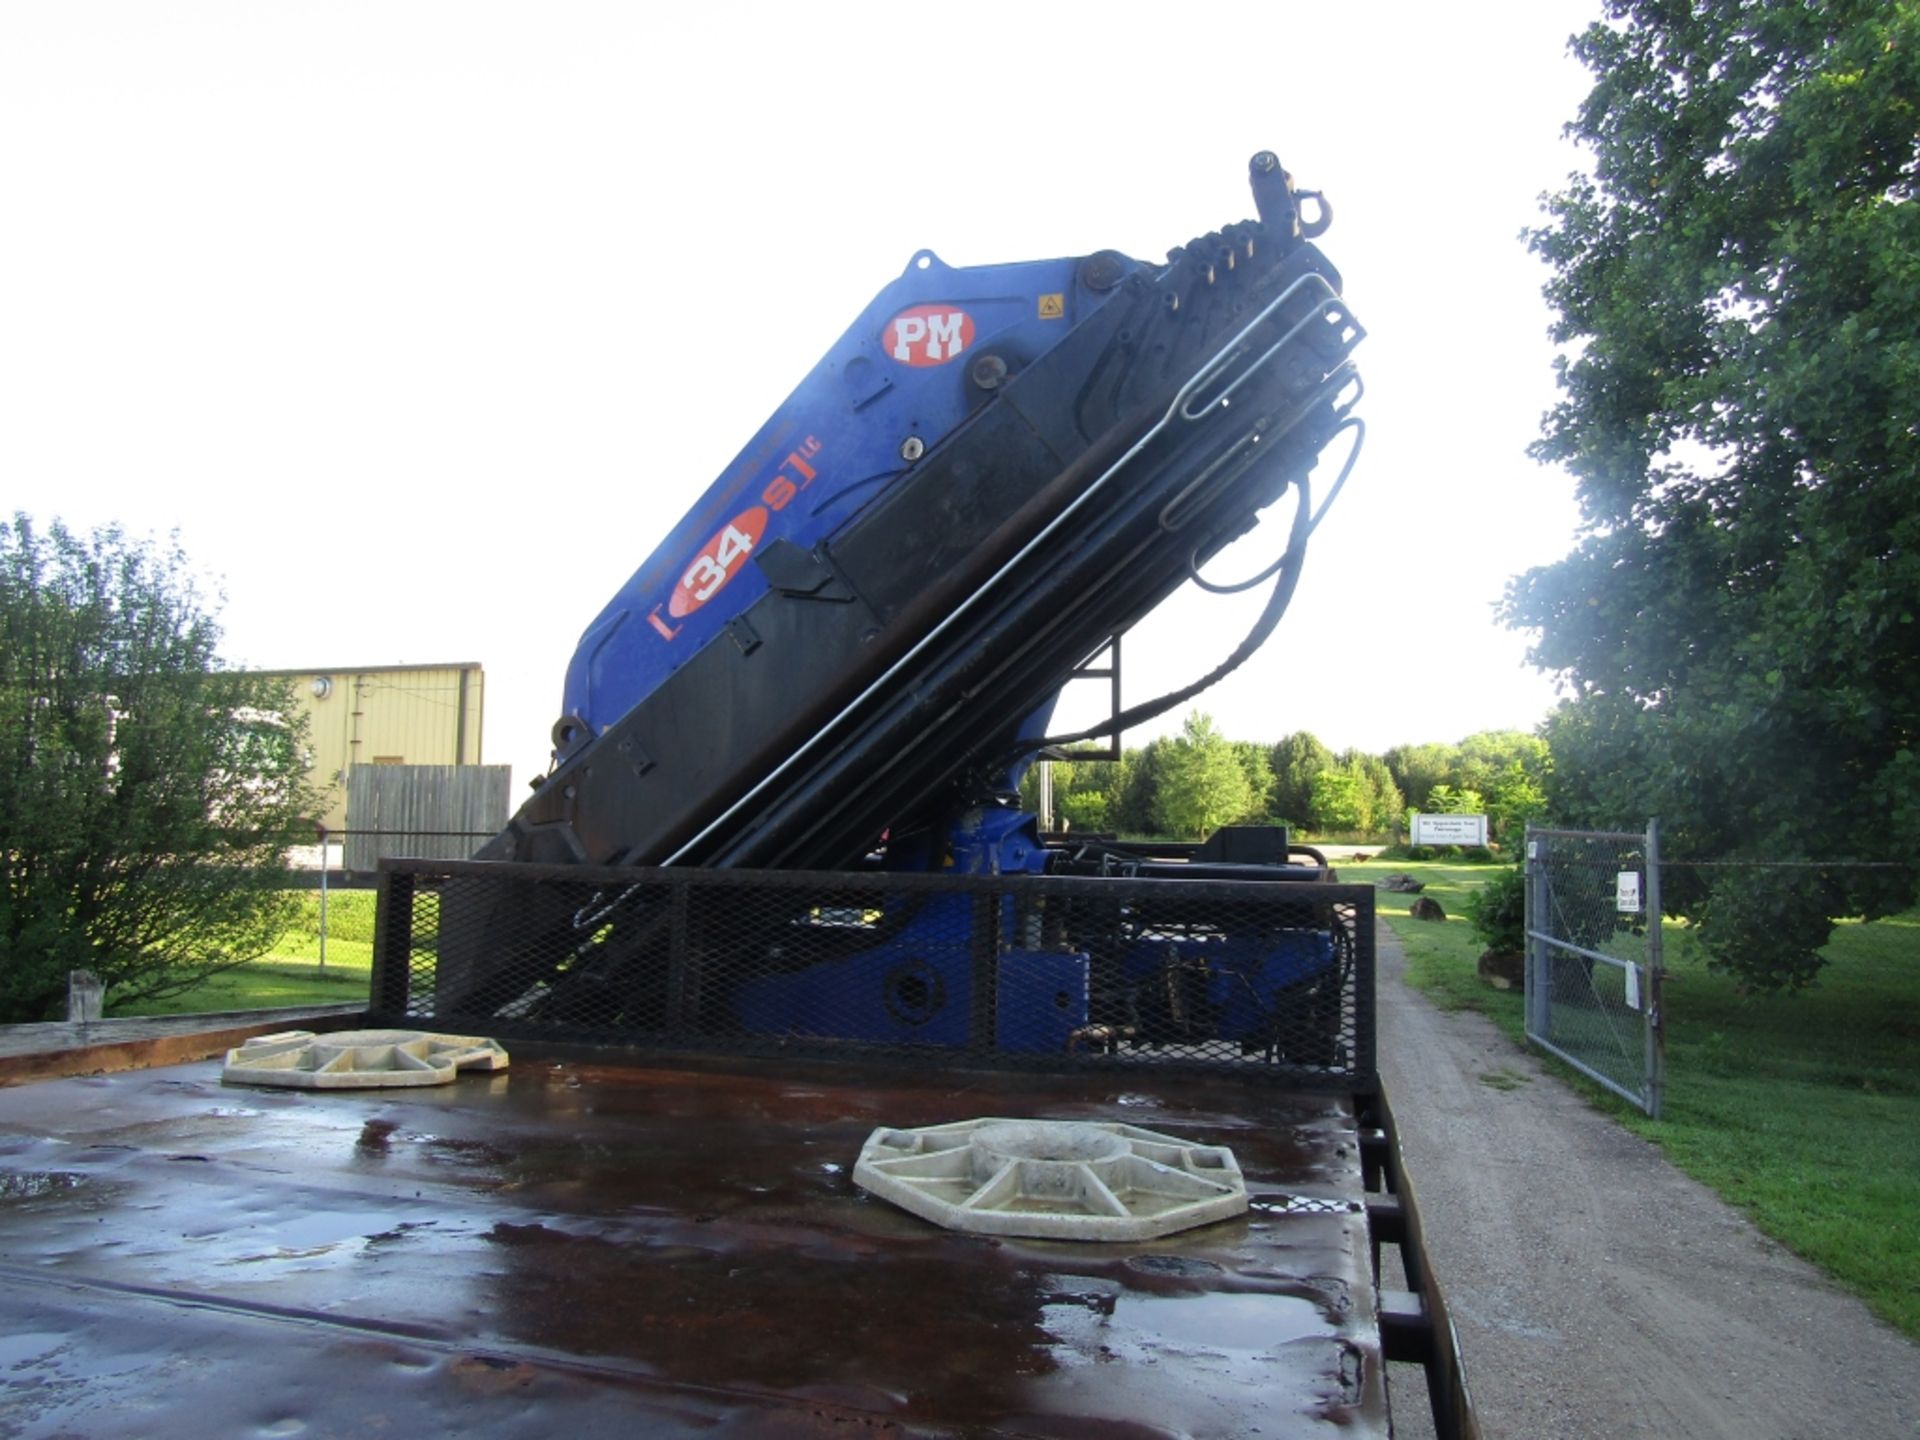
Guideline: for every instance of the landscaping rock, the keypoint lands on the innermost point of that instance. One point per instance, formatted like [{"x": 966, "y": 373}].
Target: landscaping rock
[
  {"x": 1402, "y": 884},
  {"x": 1503, "y": 969},
  {"x": 1426, "y": 909}
]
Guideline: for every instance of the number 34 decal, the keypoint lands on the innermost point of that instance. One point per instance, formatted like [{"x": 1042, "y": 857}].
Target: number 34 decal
[
  {"x": 722, "y": 557},
  {"x": 718, "y": 562}
]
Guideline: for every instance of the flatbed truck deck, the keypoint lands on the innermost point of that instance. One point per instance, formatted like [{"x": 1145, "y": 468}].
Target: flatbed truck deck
[{"x": 595, "y": 1243}]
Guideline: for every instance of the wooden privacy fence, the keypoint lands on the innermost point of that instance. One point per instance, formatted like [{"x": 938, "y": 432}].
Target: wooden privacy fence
[{"x": 431, "y": 812}]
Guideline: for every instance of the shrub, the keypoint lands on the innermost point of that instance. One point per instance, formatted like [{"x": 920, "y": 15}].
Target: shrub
[
  {"x": 1404, "y": 852},
  {"x": 1498, "y": 911},
  {"x": 148, "y": 795}
]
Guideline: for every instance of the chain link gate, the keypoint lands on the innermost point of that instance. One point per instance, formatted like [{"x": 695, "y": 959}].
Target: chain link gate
[{"x": 1594, "y": 964}]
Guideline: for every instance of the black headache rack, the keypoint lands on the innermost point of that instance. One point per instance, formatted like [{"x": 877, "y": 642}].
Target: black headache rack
[{"x": 1046, "y": 972}]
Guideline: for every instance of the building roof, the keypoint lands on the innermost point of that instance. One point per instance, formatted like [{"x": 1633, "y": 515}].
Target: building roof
[{"x": 364, "y": 669}]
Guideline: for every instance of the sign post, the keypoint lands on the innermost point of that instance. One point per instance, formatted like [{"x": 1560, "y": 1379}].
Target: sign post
[{"x": 323, "y": 895}]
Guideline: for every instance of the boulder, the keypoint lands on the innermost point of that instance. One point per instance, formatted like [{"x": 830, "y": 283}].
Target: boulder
[
  {"x": 1503, "y": 969},
  {"x": 1401, "y": 884}
]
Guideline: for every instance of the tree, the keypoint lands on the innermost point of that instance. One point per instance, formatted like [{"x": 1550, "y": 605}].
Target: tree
[
  {"x": 1296, "y": 760},
  {"x": 1256, "y": 764},
  {"x": 1381, "y": 804},
  {"x": 1099, "y": 789},
  {"x": 1135, "y": 808},
  {"x": 1202, "y": 784},
  {"x": 1337, "y": 803},
  {"x": 147, "y": 797},
  {"x": 1084, "y": 811},
  {"x": 1513, "y": 798},
  {"x": 1416, "y": 769},
  {"x": 1480, "y": 760},
  {"x": 1060, "y": 775},
  {"x": 1355, "y": 796},
  {"x": 1449, "y": 800},
  {"x": 1084, "y": 792},
  {"x": 1740, "y": 403},
  {"x": 1478, "y": 763}
]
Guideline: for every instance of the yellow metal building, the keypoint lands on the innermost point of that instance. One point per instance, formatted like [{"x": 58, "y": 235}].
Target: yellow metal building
[{"x": 387, "y": 715}]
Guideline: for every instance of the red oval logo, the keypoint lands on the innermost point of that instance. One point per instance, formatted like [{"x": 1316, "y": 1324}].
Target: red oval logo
[
  {"x": 721, "y": 559},
  {"x": 928, "y": 335}
]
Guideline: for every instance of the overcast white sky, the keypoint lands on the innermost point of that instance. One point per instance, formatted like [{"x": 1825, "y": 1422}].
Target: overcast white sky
[{"x": 423, "y": 322}]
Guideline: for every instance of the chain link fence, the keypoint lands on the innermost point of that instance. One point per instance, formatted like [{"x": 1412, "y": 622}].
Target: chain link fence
[
  {"x": 1849, "y": 1017},
  {"x": 1594, "y": 959},
  {"x": 1851, "y": 911},
  {"x": 1598, "y": 960},
  {"x": 1003, "y": 970}
]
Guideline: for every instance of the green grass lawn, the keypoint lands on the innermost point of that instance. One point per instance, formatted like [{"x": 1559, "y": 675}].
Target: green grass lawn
[
  {"x": 292, "y": 973},
  {"x": 1803, "y": 1110},
  {"x": 1441, "y": 955}
]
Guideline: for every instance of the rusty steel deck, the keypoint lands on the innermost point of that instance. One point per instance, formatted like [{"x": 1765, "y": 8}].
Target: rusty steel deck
[{"x": 573, "y": 1248}]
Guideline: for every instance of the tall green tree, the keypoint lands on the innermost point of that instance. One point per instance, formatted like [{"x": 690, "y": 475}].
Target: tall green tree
[
  {"x": 1380, "y": 802},
  {"x": 1203, "y": 784},
  {"x": 1483, "y": 757},
  {"x": 1339, "y": 801},
  {"x": 1256, "y": 762},
  {"x": 1296, "y": 760},
  {"x": 1102, "y": 786},
  {"x": 147, "y": 797},
  {"x": 1086, "y": 796},
  {"x": 1416, "y": 769},
  {"x": 1059, "y": 774},
  {"x": 1135, "y": 808},
  {"x": 1735, "y": 284},
  {"x": 1515, "y": 796},
  {"x": 1452, "y": 800}
]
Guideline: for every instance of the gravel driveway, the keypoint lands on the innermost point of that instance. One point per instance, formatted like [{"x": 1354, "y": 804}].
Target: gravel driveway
[{"x": 1597, "y": 1290}]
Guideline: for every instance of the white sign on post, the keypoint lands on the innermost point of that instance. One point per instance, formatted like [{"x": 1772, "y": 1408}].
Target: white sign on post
[
  {"x": 1626, "y": 892},
  {"x": 1449, "y": 829}
]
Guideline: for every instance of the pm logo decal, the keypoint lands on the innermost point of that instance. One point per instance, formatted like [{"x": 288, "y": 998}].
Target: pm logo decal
[{"x": 928, "y": 335}]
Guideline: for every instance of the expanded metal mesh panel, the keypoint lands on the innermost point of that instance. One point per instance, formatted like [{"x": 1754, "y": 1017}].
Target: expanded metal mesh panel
[{"x": 1001, "y": 970}]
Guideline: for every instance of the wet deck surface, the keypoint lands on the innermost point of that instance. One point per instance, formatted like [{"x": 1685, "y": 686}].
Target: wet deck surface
[{"x": 574, "y": 1249}]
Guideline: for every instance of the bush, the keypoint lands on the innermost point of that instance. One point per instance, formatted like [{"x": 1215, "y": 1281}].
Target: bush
[
  {"x": 1406, "y": 852},
  {"x": 147, "y": 795},
  {"x": 1084, "y": 810},
  {"x": 1463, "y": 854},
  {"x": 1498, "y": 912}
]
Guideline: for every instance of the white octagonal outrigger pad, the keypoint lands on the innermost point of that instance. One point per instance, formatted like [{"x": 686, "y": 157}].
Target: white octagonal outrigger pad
[
  {"x": 1052, "y": 1179},
  {"x": 358, "y": 1059}
]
